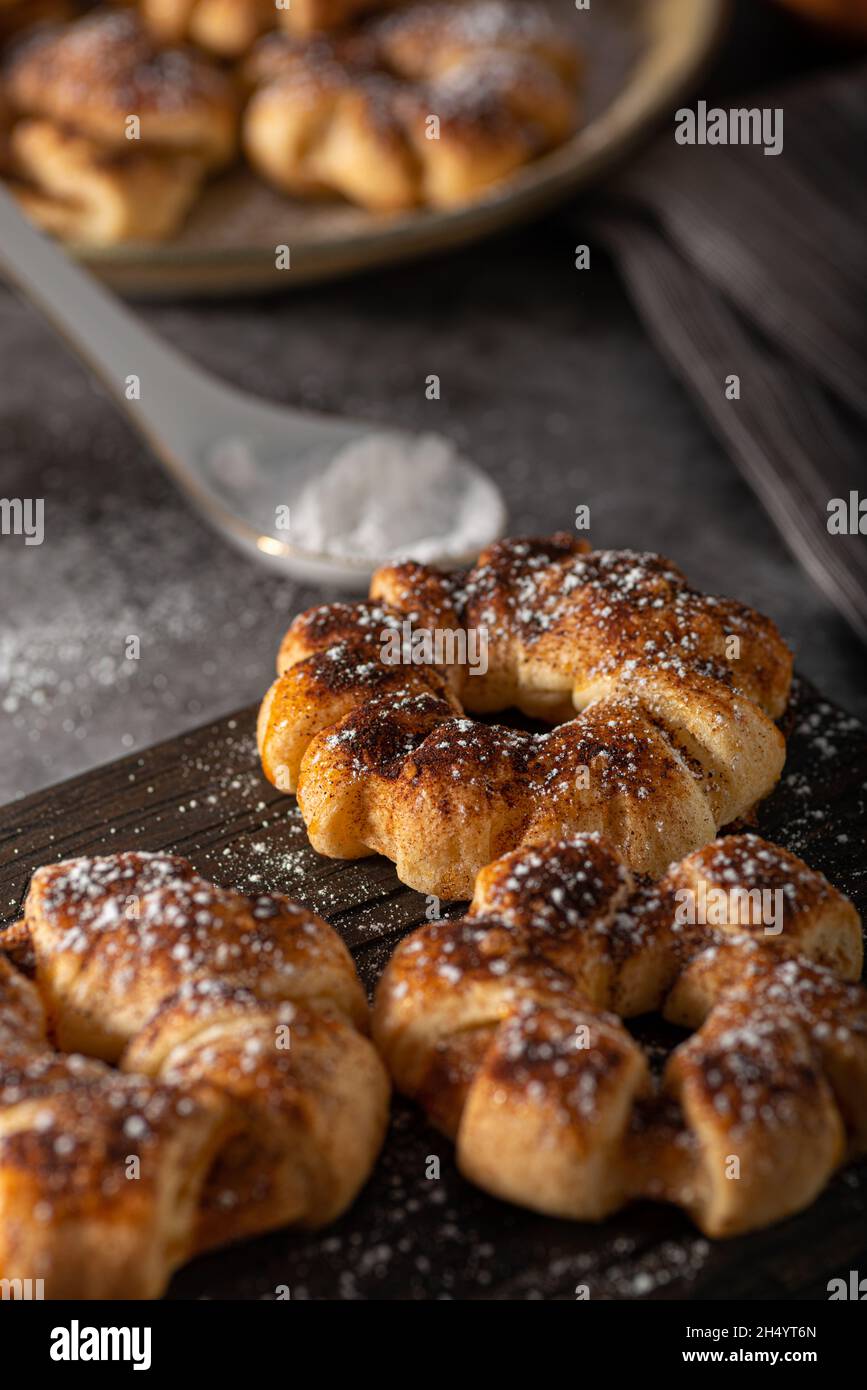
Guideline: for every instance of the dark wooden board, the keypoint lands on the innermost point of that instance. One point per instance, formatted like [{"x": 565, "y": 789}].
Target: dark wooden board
[{"x": 409, "y": 1236}]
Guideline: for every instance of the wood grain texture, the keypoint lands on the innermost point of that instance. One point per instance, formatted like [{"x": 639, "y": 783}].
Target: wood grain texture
[
  {"x": 409, "y": 1236},
  {"x": 731, "y": 268}
]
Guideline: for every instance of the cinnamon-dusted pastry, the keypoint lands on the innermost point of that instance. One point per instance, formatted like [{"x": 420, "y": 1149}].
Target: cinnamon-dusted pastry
[
  {"x": 217, "y": 1038},
  {"x": 101, "y": 1174},
  {"x": 79, "y": 192},
  {"x": 429, "y": 37},
  {"x": 229, "y": 27},
  {"x": 312, "y": 16},
  {"x": 499, "y": 1025},
  {"x": 319, "y": 128},
  {"x": 225, "y": 27},
  {"x": 75, "y": 89},
  {"x": 431, "y": 105},
  {"x": 664, "y": 700},
  {"x": 94, "y": 74}
]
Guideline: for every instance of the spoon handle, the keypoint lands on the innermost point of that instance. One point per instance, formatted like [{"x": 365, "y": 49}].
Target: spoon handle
[{"x": 161, "y": 390}]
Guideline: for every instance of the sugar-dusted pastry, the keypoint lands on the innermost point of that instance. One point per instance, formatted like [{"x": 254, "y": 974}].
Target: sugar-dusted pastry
[
  {"x": 663, "y": 698},
  {"x": 94, "y": 74},
  {"x": 425, "y": 39},
  {"x": 506, "y": 1026},
  {"x": 313, "y": 16},
  {"x": 73, "y": 188},
  {"x": 225, "y": 27},
  {"x": 187, "y": 1067},
  {"x": 431, "y": 105},
  {"x": 114, "y": 137},
  {"x": 229, "y": 27}
]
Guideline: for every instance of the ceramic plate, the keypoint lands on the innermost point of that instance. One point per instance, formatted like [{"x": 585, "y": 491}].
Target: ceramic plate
[{"x": 640, "y": 54}]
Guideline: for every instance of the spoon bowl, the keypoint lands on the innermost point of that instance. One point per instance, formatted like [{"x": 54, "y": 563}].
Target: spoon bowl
[{"x": 243, "y": 462}]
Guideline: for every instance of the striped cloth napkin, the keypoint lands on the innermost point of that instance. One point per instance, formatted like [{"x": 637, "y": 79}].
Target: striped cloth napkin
[{"x": 749, "y": 265}]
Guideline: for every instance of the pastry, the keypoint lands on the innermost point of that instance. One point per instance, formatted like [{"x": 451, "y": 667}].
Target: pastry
[
  {"x": 82, "y": 168},
  {"x": 311, "y": 16},
  {"x": 663, "y": 699},
  {"x": 431, "y": 105},
  {"x": 72, "y": 188},
  {"x": 428, "y": 38},
  {"x": 218, "y": 1040},
  {"x": 506, "y": 1026},
  {"x": 225, "y": 27},
  {"x": 229, "y": 27}
]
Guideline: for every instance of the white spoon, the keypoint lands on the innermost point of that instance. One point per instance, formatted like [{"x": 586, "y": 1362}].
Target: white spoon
[{"x": 241, "y": 460}]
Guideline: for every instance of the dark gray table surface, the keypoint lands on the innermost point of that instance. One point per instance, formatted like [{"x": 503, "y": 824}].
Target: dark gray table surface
[{"x": 548, "y": 381}]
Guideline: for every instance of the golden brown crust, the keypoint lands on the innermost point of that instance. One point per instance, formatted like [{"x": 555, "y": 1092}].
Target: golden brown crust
[
  {"x": 668, "y": 695},
  {"x": 76, "y": 190},
  {"x": 534, "y": 1122},
  {"x": 314, "y": 16},
  {"x": 22, "y": 1015},
  {"x": 330, "y": 684},
  {"x": 224, "y": 27},
  {"x": 237, "y": 1025},
  {"x": 80, "y": 164},
  {"x": 313, "y": 1111},
  {"x": 814, "y": 919},
  {"x": 432, "y": 105},
  {"x": 101, "y": 1175},
  {"x": 498, "y": 1025},
  {"x": 92, "y": 75},
  {"x": 828, "y": 1009},
  {"x": 117, "y": 936},
  {"x": 433, "y": 37}
]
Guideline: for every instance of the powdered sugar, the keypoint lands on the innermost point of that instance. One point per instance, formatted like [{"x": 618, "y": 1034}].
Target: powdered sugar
[{"x": 392, "y": 495}]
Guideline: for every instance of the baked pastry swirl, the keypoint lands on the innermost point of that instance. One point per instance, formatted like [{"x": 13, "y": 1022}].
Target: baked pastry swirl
[
  {"x": 225, "y": 27},
  {"x": 664, "y": 701},
  {"x": 188, "y": 1067},
  {"x": 506, "y": 1026},
  {"x": 430, "y": 105},
  {"x": 74, "y": 90},
  {"x": 229, "y": 27}
]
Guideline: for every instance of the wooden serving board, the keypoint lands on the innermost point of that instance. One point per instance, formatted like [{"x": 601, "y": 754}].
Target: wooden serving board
[{"x": 410, "y": 1236}]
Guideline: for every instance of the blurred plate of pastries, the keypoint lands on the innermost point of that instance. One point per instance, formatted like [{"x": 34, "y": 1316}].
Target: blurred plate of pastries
[{"x": 218, "y": 146}]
